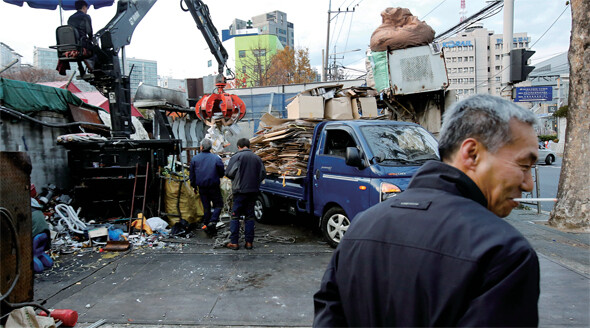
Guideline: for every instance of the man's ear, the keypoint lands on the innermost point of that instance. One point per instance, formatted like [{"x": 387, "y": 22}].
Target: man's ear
[{"x": 469, "y": 155}]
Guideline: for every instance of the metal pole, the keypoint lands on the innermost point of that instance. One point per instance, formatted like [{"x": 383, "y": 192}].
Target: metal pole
[
  {"x": 508, "y": 39},
  {"x": 123, "y": 68},
  {"x": 327, "y": 44},
  {"x": 14, "y": 61},
  {"x": 61, "y": 20},
  {"x": 537, "y": 189}
]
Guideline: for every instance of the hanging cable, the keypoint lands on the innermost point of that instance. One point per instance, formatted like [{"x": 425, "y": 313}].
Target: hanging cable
[
  {"x": 5, "y": 213},
  {"x": 433, "y": 9},
  {"x": 547, "y": 30}
]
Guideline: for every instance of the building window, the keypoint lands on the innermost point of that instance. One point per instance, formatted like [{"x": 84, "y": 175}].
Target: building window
[
  {"x": 460, "y": 81},
  {"x": 259, "y": 52},
  {"x": 471, "y": 91},
  {"x": 454, "y": 59},
  {"x": 448, "y": 71},
  {"x": 498, "y": 79},
  {"x": 459, "y": 59},
  {"x": 242, "y": 53},
  {"x": 470, "y": 47},
  {"x": 244, "y": 69},
  {"x": 497, "y": 90},
  {"x": 497, "y": 57},
  {"x": 471, "y": 80},
  {"x": 471, "y": 69},
  {"x": 465, "y": 58},
  {"x": 466, "y": 91},
  {"x": 454, "y": 70},
  {"x": 459, "y": 91},
  {"x": 470, "y": 58},
  {"x": 209, "y": 63},
  {"x": 497, "y": 68},
  {"x": 459, "y": 70}
]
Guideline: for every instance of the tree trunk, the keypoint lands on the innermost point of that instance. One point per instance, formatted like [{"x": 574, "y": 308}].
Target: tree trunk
[{"x": 572, "y": 210}]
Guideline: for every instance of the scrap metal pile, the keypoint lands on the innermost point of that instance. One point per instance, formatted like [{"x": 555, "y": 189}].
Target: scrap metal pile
[{"x": 284, "y": 145}]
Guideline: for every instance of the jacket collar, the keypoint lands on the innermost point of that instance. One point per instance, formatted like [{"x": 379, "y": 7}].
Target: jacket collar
[{"x": 441, "y": 176}]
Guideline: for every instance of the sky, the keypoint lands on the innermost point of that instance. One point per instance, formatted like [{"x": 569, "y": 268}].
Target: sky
[{"x": 170, "y": 36}]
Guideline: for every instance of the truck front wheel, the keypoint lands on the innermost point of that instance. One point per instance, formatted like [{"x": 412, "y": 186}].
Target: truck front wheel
[
  {"x": 334, "y": 225},
  {"x": 262, "y": 214}
]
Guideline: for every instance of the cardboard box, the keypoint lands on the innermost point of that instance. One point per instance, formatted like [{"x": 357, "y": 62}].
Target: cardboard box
[
  {"x": 364, "y": 107},
  {"x": 306, "y": 107},
  {"x": 338, "y": 109}
]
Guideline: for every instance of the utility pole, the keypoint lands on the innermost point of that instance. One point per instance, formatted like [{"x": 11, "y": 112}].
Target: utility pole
[
  {"x": 507, "y": 45},
  {"x": 325, "y": 68},
  {"x": 327, "y": 57}
]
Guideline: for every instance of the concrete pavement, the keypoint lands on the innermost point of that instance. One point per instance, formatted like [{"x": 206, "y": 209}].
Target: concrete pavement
[{"x": 192, "y": 284}]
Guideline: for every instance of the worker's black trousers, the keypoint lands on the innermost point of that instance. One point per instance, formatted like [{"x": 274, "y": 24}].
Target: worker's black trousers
[{"x": 243, "y": 207}]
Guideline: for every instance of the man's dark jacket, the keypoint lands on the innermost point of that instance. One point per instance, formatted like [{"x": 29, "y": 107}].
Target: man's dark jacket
[
  {"x": 432, "y": 256},
  {"x": 246, "y": 171},
  {"x": 83, "y": 24},
  {"x": 205, "y": 170}
]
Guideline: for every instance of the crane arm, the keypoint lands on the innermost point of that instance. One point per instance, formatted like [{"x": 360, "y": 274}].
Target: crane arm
[
  {"x": 117, "y": 33},
  {"x": 200, "y": 13}
]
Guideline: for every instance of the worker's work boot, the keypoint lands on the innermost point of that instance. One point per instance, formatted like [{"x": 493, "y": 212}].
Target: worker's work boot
[
  {"x": 235, "y": 247},
  {"x": 248, "y": 245}
]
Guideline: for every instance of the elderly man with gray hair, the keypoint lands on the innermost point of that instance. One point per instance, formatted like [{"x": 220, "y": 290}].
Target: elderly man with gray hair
[
  {"x": 205, "y": 172},
  {"x": 439, "y": 253}
]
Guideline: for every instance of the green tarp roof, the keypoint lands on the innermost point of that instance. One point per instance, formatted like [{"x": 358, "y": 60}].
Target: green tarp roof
[{"x": 30, "y": 97}]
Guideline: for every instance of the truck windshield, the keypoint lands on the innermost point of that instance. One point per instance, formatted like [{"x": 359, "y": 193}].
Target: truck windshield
[{"x": 400, "y": 145}]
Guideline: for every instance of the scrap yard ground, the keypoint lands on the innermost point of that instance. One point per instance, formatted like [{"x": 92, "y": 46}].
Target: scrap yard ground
[{"x": 187, "y": 282}]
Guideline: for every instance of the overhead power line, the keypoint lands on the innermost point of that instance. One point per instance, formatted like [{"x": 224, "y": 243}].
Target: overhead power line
[
  {"x": 567, "y": 6},
  {"x": 433, "y": 9},
  {"x": 488, "y": 11}
]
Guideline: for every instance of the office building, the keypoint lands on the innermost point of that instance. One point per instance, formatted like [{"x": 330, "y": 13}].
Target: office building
[
  {"x": 474, "y": 60},
  {"x": 46, "y": 58},
  {"x": 142, "y": 70},
  {"x": 7, "y": 55}
]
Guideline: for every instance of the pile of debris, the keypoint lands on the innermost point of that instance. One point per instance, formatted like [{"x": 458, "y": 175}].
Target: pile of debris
[{"x": 283, "y": 145}]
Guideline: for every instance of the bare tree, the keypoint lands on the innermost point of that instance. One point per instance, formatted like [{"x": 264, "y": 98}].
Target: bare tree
[
  {"x": 572, "y": 210},
  {"x": 254, "y": 65},
  {"x": 33, "y": 75}
]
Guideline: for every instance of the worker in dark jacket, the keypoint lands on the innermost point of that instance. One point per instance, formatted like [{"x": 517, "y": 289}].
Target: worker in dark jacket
[
  {"x": 246, "y": 171},
  {"x": 81, "y": 21},
  {"x": 439, "y": 253},
  {"x": 205, "y": 172}
]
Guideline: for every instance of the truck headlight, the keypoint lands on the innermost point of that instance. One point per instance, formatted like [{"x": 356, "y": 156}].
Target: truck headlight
[{"x": 388, "y": 190}]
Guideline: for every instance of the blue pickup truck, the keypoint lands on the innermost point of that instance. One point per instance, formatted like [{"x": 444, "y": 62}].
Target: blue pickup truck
[{"x": 352, "y": 165}]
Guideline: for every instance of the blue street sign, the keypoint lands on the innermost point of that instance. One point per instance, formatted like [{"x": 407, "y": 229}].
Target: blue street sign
[{"x": 527, "y": 94}]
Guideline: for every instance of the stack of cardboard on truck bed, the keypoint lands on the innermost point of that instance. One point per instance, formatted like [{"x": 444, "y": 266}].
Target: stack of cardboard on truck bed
[
  {"x": 284, "y": 145},
  {"x": 333, "y": 102}
]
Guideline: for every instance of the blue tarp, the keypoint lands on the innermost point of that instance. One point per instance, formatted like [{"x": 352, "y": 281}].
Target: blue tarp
[{"x": 65, "y": 4}]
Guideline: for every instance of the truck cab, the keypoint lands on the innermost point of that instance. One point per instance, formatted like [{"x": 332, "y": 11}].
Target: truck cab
[{"x": 352, "y": 166}]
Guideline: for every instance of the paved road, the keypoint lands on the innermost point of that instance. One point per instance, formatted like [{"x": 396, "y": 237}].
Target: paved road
[
  {"x": 549, "y": 180},
  {"x": 188, "y": 282}
]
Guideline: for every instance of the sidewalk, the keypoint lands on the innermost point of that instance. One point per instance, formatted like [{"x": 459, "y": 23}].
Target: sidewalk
[{"x": 193, "y": 284}]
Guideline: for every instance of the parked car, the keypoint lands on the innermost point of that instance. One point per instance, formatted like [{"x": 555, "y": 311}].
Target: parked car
[{"x": 546, "y": 156}]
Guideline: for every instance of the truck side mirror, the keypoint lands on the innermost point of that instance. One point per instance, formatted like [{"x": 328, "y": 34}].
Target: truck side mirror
[{"x": 353, "y": 157}]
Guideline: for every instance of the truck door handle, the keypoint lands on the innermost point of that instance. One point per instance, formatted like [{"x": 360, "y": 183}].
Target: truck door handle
[{"x": 317, "y": 174}]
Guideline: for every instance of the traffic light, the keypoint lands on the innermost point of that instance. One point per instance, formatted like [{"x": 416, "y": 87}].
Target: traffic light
[{"x": 519, "y": 70}]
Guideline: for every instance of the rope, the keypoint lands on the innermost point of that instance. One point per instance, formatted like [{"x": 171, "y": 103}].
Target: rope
[{"x": 262, "y": 236}]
